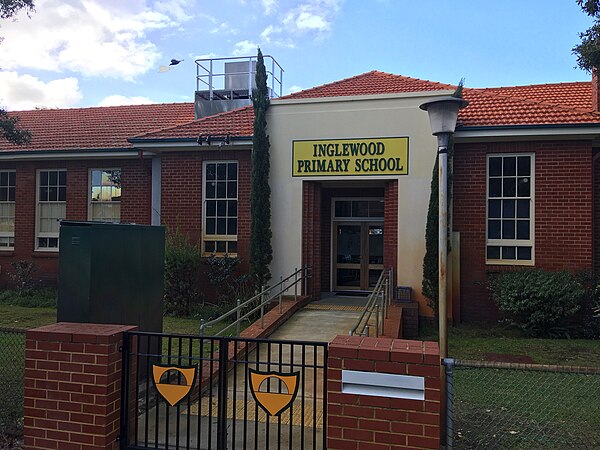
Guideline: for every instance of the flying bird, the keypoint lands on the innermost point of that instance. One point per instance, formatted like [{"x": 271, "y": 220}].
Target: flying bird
[{"x": 174, "y": 62}]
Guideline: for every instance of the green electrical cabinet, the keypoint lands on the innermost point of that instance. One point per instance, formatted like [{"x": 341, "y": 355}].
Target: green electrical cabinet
[{"x": 111, "y": 273}]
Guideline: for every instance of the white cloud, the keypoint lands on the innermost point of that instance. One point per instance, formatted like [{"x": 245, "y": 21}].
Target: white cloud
[
  {"x": 18, "y": 92},
  {"x": 267, "y": 32},
  {"x": 119, "y": 100},
  {"x": 178, "y": 9},
  {"x": 308, "y": 19},
  {"x": 269, "y": 5},
  {"x": 245, "y": 48},
  {"x": 224, "y": 28},
  {"x": 293, "y": 89},
  {"x": 91, "y": 37}
]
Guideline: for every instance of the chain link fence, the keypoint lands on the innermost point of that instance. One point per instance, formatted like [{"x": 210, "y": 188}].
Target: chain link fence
[
  {"x": 12, "y": 373},
  {"x": 522, "y": 406}
]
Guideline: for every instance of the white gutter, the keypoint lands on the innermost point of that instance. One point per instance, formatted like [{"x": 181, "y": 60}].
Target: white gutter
[
  {"x": 533, "y": 132},
  {"x": 191, "y": 145},
  {"x": 40, "y": 155}
]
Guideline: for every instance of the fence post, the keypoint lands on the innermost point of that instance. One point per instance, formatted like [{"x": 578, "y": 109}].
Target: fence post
[
  {"x": 449, "y": 365},
  {"x": 238, "y": 317},
  {"x": 376, "y": 320},
  {"x": 280, "y": 293},
  {"x": 296, "y": 284},
  {"x": 201, "y": 327},
  {"x": 262, "y": 308}
]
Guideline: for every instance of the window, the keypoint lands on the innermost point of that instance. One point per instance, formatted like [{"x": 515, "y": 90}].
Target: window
[
  {"x": 372, "y": 208},
  {"x": 105, "y": 195},
  {"x": 7, "y": 210},
  {"x": 51, "y": 207},
  {"x": 510, "y": 209},
  {"x": 219, "y": 234}
]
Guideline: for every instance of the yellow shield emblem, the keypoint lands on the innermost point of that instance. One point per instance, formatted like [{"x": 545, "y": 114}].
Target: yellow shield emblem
[
  {"x": 274, "y": 403},
  {"x": 174, "y": 393}
]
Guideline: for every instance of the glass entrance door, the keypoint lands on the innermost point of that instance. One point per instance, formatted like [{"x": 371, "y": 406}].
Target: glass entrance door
[{"x": 358, "y": 255}]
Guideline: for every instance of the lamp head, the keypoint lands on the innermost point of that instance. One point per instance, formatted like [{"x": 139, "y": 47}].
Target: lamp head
[{"x": 443, "y": 113}]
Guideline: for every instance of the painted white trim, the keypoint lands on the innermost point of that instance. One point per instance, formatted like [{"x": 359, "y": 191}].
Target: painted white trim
[
  {"x": 167, "y": 145},
  {"x": 355, "y": 98},
  {"x": 37, "y": 212},
  {"x": 89, "y": 197},
  {"x": 510, "y": 242},
  {"x": 70, "y": 155},
  {"x": 515, "y": 133}
]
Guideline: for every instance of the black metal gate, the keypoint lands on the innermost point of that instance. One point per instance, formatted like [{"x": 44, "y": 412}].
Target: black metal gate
[{"x": 192, "y": 392}]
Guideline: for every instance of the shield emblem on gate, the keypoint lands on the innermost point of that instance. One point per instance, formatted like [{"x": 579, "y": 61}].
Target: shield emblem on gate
[
  {"x": 174, "y": 393},
  {"x": 274, "y": 403}
]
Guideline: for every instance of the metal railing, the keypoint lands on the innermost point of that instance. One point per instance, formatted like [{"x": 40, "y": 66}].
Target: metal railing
[
  {"x": 220, "y": 409},
  {"x": 496, "y": 405},
  {"x": 212, "y": 76},
  {"x": 376, "y": 308},
  {"x": 257, "y": 305}
]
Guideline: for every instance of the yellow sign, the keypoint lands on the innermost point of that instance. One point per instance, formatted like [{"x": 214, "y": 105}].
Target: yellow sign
[
  {"x": 174, "y": 393},
  {"x": 274, "y": 403},
  {"x": 335, "y": 157}
]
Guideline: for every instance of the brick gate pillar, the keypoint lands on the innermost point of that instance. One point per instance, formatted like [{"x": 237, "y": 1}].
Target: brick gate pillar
[
  {"x": 73, "y": 386},
  {"x": 365, "y": 408}
]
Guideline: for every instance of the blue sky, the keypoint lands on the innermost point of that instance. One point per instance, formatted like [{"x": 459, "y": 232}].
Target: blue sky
[{"x": 73, "y": 53}]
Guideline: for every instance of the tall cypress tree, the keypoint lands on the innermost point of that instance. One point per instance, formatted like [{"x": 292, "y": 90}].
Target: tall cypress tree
[{"x": 261, "y": 252}]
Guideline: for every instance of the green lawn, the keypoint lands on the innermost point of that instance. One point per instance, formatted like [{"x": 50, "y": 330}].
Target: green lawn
[{"x": 475, "y": 341}]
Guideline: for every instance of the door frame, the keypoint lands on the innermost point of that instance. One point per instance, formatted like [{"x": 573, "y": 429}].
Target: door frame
[{"x": 364, "y": 222}]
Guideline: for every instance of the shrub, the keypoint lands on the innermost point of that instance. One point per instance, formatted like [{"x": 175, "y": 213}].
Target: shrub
[
  {"x": 182, "y": 266},
  {"x": 229, "y": 284},
  {"x": 544, "y": 304},
  {"x": 22, "y": 275}
]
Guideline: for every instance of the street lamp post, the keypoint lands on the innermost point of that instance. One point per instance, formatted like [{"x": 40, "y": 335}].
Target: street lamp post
[{"x": 443, "y": 113}]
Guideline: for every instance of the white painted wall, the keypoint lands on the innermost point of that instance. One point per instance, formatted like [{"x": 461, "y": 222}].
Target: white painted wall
[{"x": 387, "y": 115}]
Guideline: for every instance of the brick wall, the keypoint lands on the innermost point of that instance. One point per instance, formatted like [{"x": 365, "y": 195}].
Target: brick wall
[
  {"x": 135, "y": 205},
  {"x": 311, "y": 235},
  {"x": 181, "y": 196},
  {"x": 596, "y": 217},
  {"x": 390, "y": 229},
  {"x": 73, "y": 386},
  {"x": 361, "y": 422},
  {"x": 563, "y": 214}
]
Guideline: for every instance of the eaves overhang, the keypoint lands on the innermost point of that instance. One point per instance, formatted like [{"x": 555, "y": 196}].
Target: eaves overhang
[
  {"x": 162, "y": 144},
  {"x": 585, "y": 131},
  {"x": 53, "y": 154}
]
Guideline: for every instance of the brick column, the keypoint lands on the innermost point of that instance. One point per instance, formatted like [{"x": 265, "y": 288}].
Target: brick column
[
  {"x": 359, "y": 421},
  {"x": 73, "y": 386}
]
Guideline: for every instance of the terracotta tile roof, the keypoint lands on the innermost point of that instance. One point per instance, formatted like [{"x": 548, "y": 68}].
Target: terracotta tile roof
[
  {"x": 110, "y": 127},
  {"x": 371, "y": 83},
  {"x": 238, "y": 122},
  {"x": 98, "y": 127},
  {"x": 551, "y": 104}
]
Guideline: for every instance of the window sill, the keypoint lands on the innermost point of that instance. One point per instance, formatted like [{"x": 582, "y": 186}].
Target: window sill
[
  {"x": 45, "y": 253},
  {"x": 7, "y": 253},
  {"x": 510, "y": 263}
]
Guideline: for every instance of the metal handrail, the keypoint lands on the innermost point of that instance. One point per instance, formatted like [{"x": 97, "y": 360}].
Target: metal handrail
[
  {"x": 206, "y": 75},
  {"x": 377, "y": 303},
  {"x": 266, "y": 296}
]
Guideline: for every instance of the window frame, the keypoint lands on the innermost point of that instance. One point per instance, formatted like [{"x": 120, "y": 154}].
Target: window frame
[
  {"x": 37, "y": 248},
  {"x": 7, "y": 234},
  {"x": 511, "y": 242},
  {"x": 218, "y": 237},
  {"x": 90, "y": 202}
]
